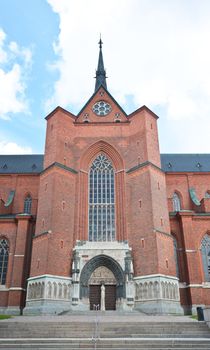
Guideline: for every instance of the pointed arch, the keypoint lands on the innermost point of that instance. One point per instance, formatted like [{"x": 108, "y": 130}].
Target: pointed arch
[
  {"x": 101, "y": 147},
  {"x": 98, "y": 147},
  {"x": 4, "y": 257},
  {"x": 176, "y": 201},
  {"x": 205, "y": 252},
  {"x": 93, "y": 264},
  {"x": 27, "y": 204}
]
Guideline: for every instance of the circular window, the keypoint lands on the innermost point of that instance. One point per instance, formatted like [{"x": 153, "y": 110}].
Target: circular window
[{"x": 101, "y": 108}]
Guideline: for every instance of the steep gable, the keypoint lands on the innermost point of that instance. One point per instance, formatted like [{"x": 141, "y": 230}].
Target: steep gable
[{"x": 116, "y": 113}]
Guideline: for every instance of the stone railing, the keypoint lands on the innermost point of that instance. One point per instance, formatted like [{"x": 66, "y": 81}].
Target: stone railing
[
  {"x": 206, "y": 312},
  {"x": 49, "y": 287},
  {"x": 156, "y": 287}
]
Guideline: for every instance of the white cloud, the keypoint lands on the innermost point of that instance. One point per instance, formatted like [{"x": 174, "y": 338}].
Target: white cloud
[
  {"x": 155, "y": 50},
  {"x": 25, "y": 53},
  {"x": 12, "y": 87},
  {"x": 14, "y": 64},
  {"x": 13, "y": 148},
  {"x": 3, "y": 54}
]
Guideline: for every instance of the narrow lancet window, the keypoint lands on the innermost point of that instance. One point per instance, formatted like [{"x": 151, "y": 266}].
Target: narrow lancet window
[
  {"x": 176, "y": 256},
  {"x": 4, "y": 254},
  {"x": 205, "y": 251},
  {"x": 27, "y": 204},
  {"x": 176, "y": 202},
  {"x": 101, "y": 200}
]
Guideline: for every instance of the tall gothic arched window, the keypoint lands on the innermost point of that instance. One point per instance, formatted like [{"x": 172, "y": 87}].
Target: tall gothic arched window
[
  {"x": 176, "y": 202},
  {"x": 4, "y": 254},
  {"x": 101, "y": 200},
  {"x": 205, "y": 251},
  {"x": 27, "y": 204}
]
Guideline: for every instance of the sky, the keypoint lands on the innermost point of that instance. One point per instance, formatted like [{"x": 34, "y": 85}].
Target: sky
[{"x": 156, "y": 53}]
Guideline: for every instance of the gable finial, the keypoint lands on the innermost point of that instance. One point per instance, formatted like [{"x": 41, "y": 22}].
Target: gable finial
[
  {"x": 100, "y": 73},
  {"x": 100, "y": 43}
]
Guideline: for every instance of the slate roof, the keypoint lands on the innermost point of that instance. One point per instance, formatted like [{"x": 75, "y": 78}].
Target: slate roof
[
  {"x": 21, "y": 164},
  {"x": 100, "y": 73},
  {"x": 33, "y": 163},
  {"x": 185, "y": 162}
]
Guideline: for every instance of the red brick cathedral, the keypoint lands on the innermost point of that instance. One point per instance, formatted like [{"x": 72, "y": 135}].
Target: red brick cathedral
[{"x": 103, "y": 212}]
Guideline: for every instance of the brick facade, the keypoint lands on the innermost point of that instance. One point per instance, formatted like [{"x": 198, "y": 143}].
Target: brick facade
[{"x": 43, "y": 242}]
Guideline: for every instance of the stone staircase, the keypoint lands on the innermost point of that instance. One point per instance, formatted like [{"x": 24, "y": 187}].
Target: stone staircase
[{"x": 113, "y": 333}]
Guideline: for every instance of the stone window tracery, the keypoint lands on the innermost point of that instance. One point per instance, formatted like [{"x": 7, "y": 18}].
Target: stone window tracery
[
  {"x": 205, "y": 251},
  {"x": 4, "y": 255},
  {"x": 27, "y": 204},
  {"x": 101, "y": 200},
  {"x": 176, "y": 202}
]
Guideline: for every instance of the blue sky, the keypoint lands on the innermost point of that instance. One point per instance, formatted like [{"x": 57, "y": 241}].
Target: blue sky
[
  {"x": 156, "y": 52},
  {"x": 33, "y": 26}
]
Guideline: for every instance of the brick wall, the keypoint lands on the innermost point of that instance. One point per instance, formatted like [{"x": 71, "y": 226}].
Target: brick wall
[{"x": 143, "y": 202}]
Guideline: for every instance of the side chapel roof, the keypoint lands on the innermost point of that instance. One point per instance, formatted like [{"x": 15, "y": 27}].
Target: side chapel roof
[{"x": 171, "y": 163}]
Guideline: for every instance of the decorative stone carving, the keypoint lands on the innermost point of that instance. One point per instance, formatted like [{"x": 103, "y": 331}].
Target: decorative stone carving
[
  {"x": 157, "y": 289},
  {"x": 102, "y": 275},
  {"x": 128, "y": 266},
  {"x": 49, "y": 287}
]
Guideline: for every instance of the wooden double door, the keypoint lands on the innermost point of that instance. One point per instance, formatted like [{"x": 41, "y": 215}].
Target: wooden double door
[{"x": 110, "y": 296}]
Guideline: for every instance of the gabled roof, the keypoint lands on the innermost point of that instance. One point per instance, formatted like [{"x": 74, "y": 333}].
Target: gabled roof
[
  {"x": 21, "y": 164},
  {"x": 58, "y": 108},
  {"x": 142, "y": 108},
  {"x": 94, "y": 94},
  {"x": 185, "y": 162}
]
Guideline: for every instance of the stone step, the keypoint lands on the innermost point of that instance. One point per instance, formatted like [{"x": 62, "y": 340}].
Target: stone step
[
  {"x": 104, "y": 335},
  {"x": 104, "y": 348},
  {"x": 155, "y": 344},
  {"x": 106, "y": 330},
  {"x": 113, "y": 335},
  {"x": 145, "y": 326}
]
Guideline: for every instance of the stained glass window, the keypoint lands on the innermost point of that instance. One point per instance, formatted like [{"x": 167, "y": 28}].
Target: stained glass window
[
  {"x": 4, "y": 254},
  {"x": 176, "y": 202},
  {"x": 205, "y": 250},
  {"x": 101, "y": 200},
  {"x": 27, "y": 204}
]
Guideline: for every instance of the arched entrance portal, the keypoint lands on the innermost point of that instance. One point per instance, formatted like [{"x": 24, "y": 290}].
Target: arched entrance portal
[
  {"x": 102, "y": 276},
  {"x": 102, "y": 270}
]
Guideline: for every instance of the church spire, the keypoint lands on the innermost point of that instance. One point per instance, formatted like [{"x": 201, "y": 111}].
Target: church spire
[{"x": 100, "y": 73}]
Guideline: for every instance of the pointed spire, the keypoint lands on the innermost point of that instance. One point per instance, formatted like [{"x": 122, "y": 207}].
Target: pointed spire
[{"x": 100, "y": 73}]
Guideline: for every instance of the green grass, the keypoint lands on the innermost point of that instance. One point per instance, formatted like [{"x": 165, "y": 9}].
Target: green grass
[
  {"x": 4, "y": 317},
  {"x": 195, "y": 317}
]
